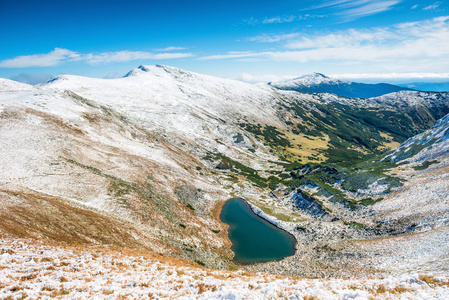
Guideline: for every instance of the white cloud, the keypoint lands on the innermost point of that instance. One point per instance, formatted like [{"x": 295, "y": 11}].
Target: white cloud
[
  {"x": 366, "y": 8},
  {"x": 233, "y": 54},
  {"x": 261, "y": 78},
  {"x": 349, "y": 37},
  {"x": 172, "y": 55},
  {"x": 171, "y": 48},
  {"x": 285, "y": 19},
  {"x": 392, "y": 75},
  {"x": 415, "y": 6},
  {"x": 353, "y": 9},
  {"x": 59, "y": 56},
  {"x": 122, "y": 56},
  {"x": 53, "y": 58},
  {"x": 119, "y": 56},
  {"x": 432, "y": 6},
  {"x": 405, "y": 47},
  {"x": 265, "y": 38},
  {"x": 282, "y": 19}
]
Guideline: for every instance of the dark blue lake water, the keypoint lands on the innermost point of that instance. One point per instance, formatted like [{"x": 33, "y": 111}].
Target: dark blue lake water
[{"x": 254, "y": 239}]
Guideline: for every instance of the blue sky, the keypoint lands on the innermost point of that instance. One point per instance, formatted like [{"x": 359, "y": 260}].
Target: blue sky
[{"x": 250, "y": 40}]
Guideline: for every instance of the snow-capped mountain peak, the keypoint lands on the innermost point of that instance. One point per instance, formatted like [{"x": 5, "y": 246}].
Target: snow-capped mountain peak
[
  {"x": 320, "y": 83},
  {"x": 314, "y": 79},
  {"x": 142, "y": 69},
  {"x": 307, "y": 81}
]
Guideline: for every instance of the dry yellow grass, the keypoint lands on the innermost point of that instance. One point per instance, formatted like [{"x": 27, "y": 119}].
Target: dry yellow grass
[
  {"x": 306, "y": 147},
  {"x": 388, "y": 145}
]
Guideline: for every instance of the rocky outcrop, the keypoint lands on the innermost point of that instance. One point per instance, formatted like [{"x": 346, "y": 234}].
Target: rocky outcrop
[
  {"x": 310, "y": 206},
  {"x": 192, "y": 198}
]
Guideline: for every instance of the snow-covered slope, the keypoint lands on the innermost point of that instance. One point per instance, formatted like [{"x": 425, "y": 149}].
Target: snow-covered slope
[
  {"x": 177, "y": 101},
  {"x": 41, "y": 271},
  {"x": 423, "y": 161},
  {"x": 429, "y": 145},
  {"x": 319, "y": 83},
  {"x": 406, "y": 99},
  {"x": 154, "y": 154},
  {"x": 76, "y": 163}
]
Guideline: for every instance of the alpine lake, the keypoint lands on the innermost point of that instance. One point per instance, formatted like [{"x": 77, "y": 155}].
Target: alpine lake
[{"x": 254, "y": 240}]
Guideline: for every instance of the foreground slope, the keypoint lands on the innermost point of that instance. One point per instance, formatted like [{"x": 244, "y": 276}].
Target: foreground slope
[{"x": 38, "y": 270}]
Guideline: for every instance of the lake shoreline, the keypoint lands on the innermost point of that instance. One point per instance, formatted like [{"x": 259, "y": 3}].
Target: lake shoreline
[{"x": 251, "y": 207}]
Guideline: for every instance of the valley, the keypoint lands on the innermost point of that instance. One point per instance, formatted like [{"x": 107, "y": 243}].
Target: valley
[{"x": 146, "y": 162}]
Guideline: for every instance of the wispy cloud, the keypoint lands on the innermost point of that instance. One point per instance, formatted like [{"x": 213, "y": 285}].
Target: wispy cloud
[
  {"x": 432, "y": 6},
  {"x": 285, "y": 19},
  {"x": 122, "y": 56},
  {"x": 350, "y": 37},
  {"x": 404, "y": 44},
  {"x": 350, "y": 10},
  {"x": 256, "y": 78},
  {"x": 282, "y": 19},
  {"x": 53, "y": 58},
  {"x": 366, "y": 8},
  {"x": 266, "y": 38},
  {"x": 289, "y": 19},
  {"x": 172, "y": 55},
  {"x": 392, "y": 75},
  {"x": 59, "y": 56},
  {"x": 171, "y": 48},
  {"x": 233, "y": 54}
]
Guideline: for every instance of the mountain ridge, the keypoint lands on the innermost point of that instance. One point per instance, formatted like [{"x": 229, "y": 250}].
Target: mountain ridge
[{"x": 320, "y": 83}]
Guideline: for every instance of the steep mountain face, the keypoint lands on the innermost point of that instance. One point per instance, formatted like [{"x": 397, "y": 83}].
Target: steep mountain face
[
  {"x": 155, "y": 153},
  {"x": 423, "y": 163},
  {"x": 429, "y": 145},
  {"x": 342, "y": 129},
  {"x": 319, "y": 83}
]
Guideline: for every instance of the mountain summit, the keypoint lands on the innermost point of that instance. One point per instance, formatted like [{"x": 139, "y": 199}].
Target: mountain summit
[
  {"x": 309, "y": 80},
  {"x": 320, "y": 83}
]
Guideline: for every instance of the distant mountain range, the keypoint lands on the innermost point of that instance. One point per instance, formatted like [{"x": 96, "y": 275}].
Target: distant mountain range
[
  {"x": 319, "y": 83},
  {"x": 428, "y": 86}
]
